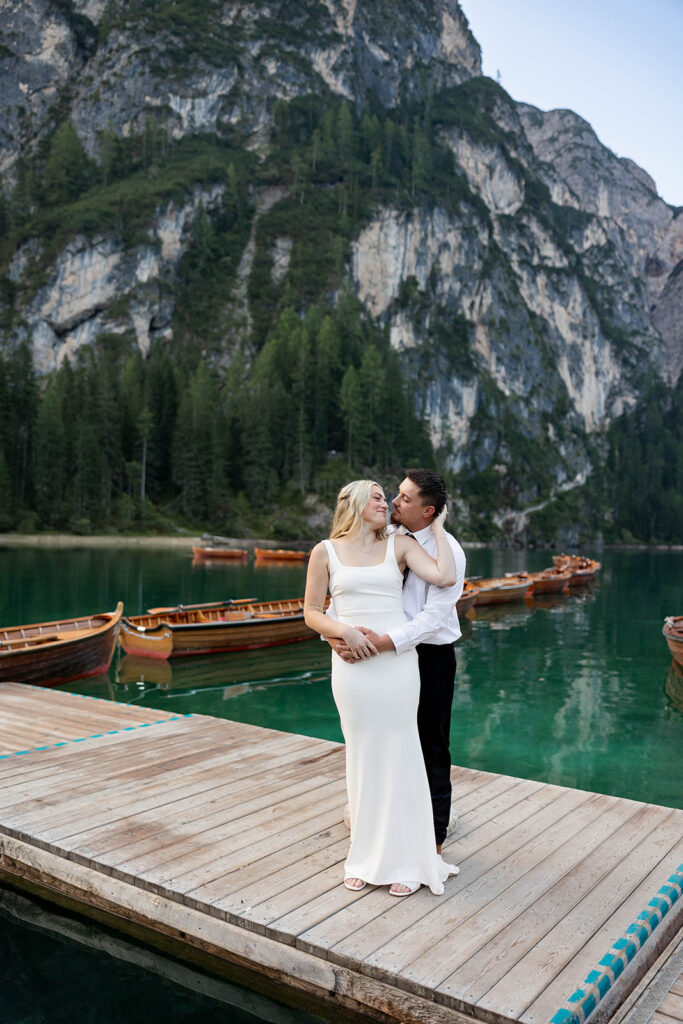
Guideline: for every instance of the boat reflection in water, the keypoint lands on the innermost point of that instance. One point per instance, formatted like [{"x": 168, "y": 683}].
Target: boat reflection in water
[
  {"x": 93, "y": 686},
  {"x": 546, "y": 602},
  {"x": 138, "y": 677},
  {"x": 281, "y": 563},
  {"x": 502, "y": 616},
  {"x": 673, "y": 687},
  {"x": 215, "y": 563}
]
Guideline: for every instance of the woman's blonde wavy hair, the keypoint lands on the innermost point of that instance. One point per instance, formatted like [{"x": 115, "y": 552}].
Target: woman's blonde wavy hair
[{"x": 348, "y": 514}]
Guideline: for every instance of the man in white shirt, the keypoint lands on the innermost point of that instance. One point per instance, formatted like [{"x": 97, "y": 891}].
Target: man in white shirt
[{"x": 432, "y": 628}]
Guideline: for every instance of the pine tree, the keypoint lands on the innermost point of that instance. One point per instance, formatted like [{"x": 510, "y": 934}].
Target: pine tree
[
  {"x": 346, "y": 141},
  {"x": 113, "y": 163},
  {"x": 352, "y": 408},
  {"x": 371, "y": 384},
  {"x": 6, "y": 502},
  {"x": 326, "y": 388},
  {"x": 51, "y": 456},
  {"x": 18, "y": 421},
  {"x": 67, "y": 169}
]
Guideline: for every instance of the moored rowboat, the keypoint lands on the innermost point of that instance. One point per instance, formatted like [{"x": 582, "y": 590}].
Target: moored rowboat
[
  {"x": 501, "y": 589},
  {"x": 281, "y": 555},
  {"x": 212, "y": 629},
  {"x": 215, "y": 553},
  {"x": 59, "y": 651},
  {"x": 467, "y": 599},
  {"x": 673, "y": 634},
  {"x": 581, "y": 569},
  {"x": 548, "y": 581}
]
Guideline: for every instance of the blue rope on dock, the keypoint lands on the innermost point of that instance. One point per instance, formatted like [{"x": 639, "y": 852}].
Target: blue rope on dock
[
  {"x": 96, "y": 735},
  {"x": 597, "y": 983}
]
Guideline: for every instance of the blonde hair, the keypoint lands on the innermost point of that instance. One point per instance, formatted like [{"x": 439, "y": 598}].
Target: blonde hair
[{"x": 348, "y": 514}]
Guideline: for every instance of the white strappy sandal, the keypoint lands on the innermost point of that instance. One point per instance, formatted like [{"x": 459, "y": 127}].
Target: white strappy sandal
[
  {"x": 354, "y": 888},
  {"x": 410, "y": 886}
]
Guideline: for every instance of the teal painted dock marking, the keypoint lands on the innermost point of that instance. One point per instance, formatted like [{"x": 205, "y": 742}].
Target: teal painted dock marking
[
  {"x": 581, "y": 1003},
  {"x": 96, "y": 735}
]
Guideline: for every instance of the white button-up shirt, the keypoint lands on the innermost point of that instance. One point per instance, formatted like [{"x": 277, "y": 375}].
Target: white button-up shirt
[{"x": 431, "y": 611}]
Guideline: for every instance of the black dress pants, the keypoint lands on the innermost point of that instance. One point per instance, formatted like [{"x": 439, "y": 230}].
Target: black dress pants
[{"x": 437, "y": 683}]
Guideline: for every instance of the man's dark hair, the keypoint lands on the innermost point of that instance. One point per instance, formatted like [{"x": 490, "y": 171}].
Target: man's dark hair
[{"x": 431, "y": 487}]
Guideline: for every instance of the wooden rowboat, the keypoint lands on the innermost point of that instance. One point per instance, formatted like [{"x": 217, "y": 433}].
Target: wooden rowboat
[
  {"x": 501, "y": 589},
  {"x": 581, "y": 569},
  {"x": 548, "y": 581},
  {"x": 673, "y": 634},
  {"x": 212, "y": 629},
  {"x": 219, "y": 553},
  {"x": 59, "y": 651},
  {"x": 281, "y": 555},
  {"x": 467, "y": 600}
]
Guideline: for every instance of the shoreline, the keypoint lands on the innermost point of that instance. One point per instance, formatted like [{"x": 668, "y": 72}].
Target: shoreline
[{"x": 72, "y": 540}]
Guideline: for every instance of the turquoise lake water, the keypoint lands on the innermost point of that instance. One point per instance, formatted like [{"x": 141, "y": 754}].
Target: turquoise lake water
[{"x": 577, "y": 690}]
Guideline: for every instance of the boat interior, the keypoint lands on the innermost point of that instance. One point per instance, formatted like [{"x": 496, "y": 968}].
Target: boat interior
[{"x": 197, "y": 616}]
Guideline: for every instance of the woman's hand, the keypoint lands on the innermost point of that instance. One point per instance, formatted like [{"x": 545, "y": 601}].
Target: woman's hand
[
  {"x": 440, "y": 519},
  {"x": 360, "y": 645}
]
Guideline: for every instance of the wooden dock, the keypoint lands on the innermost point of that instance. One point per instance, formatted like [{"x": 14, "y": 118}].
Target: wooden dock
[{"x": 227, "y": 841}]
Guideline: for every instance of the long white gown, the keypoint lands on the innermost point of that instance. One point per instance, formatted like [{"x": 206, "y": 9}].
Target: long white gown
[{"x": 392, "y": 829}]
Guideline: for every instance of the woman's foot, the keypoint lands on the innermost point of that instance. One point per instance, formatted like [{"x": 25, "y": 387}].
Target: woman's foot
[
  {"x": 404, "y": 888},
  {"x": 354, "y": 884}
]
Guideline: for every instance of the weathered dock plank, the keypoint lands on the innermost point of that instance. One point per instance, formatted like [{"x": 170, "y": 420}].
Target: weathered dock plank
[
  {"x": 572, "y": 977},
  {"x": 574, "y": 907},
  {"x": 230, "y": 839},
  {"x": 69, "y": 716}
]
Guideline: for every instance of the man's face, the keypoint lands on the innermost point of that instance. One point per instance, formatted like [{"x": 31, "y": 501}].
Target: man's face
[{"x": 408, "y": 510}]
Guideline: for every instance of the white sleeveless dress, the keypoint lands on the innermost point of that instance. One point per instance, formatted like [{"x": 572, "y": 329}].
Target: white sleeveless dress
[{"x": 392, "y": 829}]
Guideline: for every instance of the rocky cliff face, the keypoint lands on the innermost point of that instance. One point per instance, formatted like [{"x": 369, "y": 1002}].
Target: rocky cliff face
[
  {"x": 645, "y": 231},
  {"x": 528, "y": 313},
  {"x": 565, "y": 295},
  {"x": 220, "y": 64}
]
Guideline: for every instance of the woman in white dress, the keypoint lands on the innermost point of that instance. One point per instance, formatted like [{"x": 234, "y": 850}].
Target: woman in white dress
[{"x": 392, "y": 831}]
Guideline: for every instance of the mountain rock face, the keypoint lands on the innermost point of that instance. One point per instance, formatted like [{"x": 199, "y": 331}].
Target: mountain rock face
[
  {"x": 224, "y": 66},
  {"x": 528, "y": 313}
]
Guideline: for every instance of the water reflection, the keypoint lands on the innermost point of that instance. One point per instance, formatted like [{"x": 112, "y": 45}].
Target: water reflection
[
  {"x": 548, "y": 602},
  {"x": 57, "y": 968},
  {"x": 97, "y": 686},
  {"x": 502, "y": 616},
  {"x": 211, "y": 564},
  {"x": 240, "y": 686},
  {"x": 291, "y": 661},
  {"x": 673, "y": 687}
]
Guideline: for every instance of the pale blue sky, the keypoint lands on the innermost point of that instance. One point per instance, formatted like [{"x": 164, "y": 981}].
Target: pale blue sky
[{"x": 617, "y": 63}]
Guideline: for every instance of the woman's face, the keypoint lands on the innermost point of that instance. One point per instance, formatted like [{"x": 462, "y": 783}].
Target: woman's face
[{"x": 375, "y": 512}]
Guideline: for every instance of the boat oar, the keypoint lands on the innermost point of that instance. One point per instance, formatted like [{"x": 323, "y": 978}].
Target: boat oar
[{"x": 195, "y": 607}]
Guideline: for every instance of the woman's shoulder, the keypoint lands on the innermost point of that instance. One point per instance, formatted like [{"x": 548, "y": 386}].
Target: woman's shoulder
[
  {"x": 319, "y": 559},
  {"x": 321, "y": 552}
]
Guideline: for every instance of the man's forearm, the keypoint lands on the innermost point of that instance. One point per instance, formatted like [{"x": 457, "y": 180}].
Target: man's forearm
[{"x": 382, "y": 643}]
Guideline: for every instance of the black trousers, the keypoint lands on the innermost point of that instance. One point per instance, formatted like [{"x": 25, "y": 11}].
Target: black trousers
[{"x": 437, "y": 683}]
